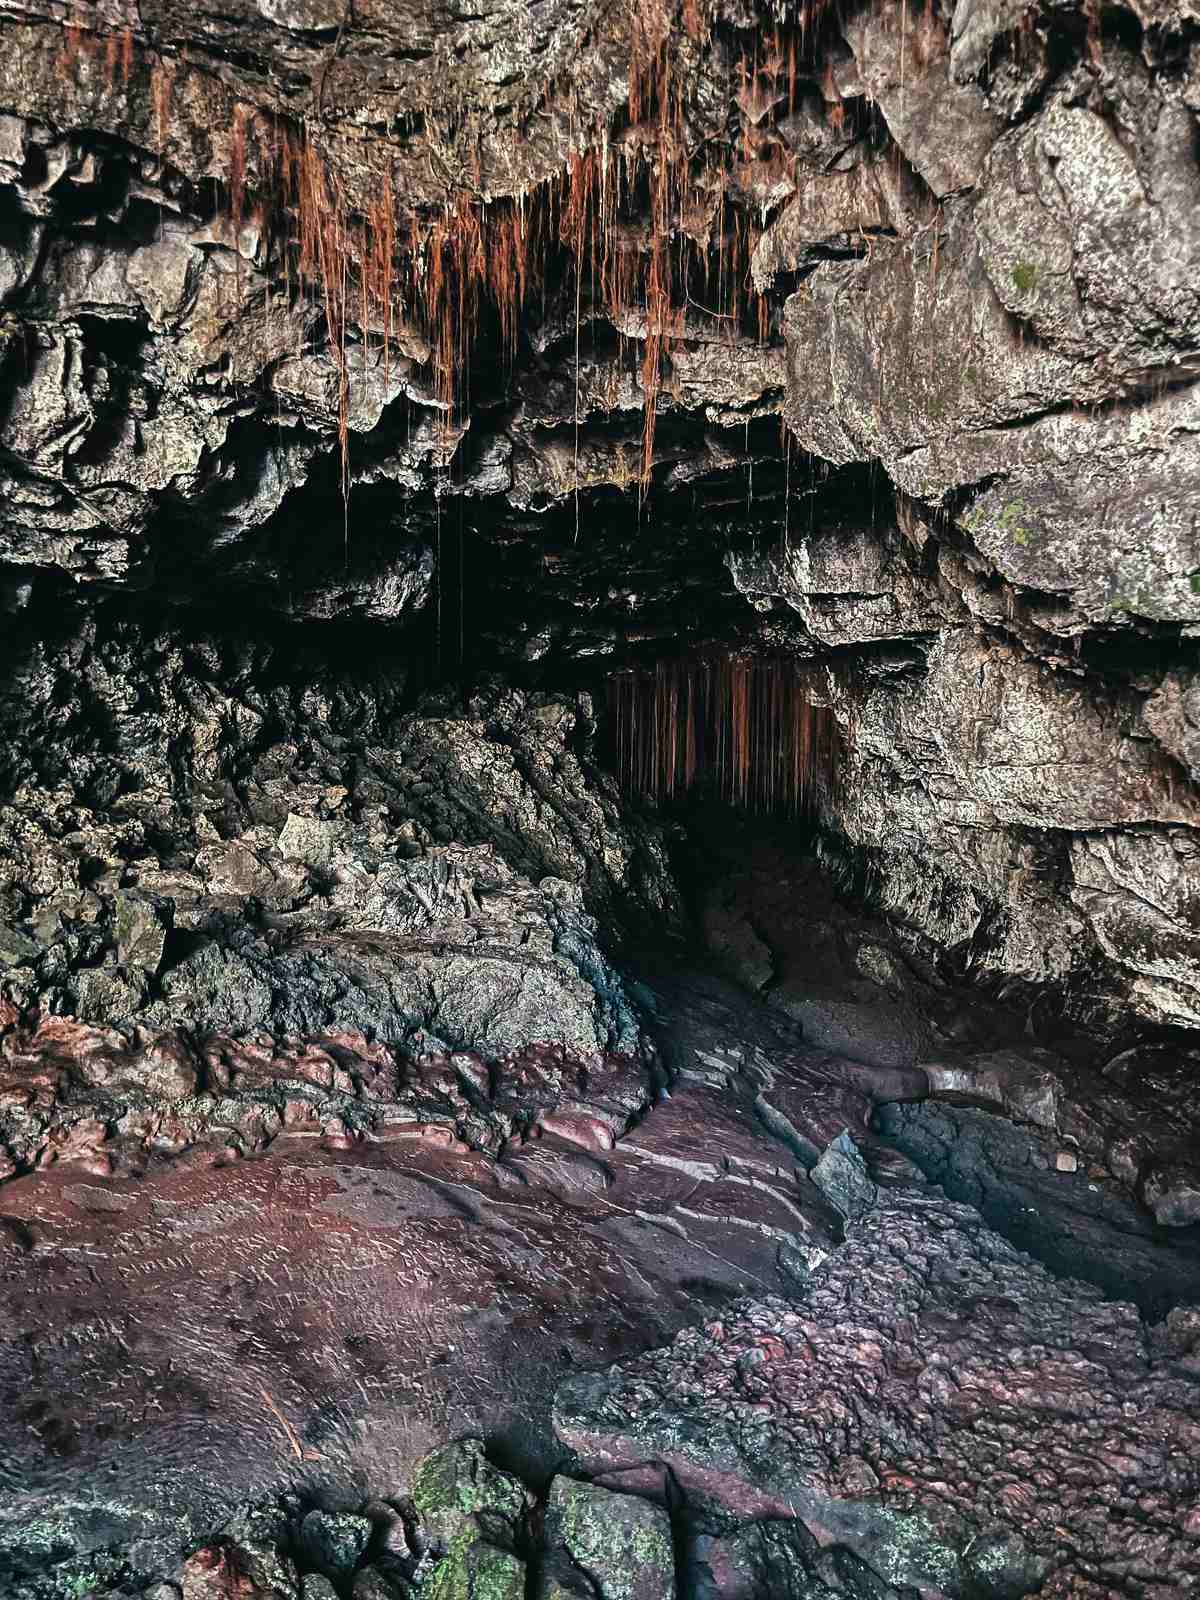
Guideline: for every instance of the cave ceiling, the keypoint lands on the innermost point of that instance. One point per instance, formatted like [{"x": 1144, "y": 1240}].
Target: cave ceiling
[{"x": 294, "y": 293}]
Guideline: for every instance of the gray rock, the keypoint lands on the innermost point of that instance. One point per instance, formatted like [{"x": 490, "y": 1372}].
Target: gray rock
[
  {"x": 848, "y": 585},
  {"x": 110, "y": 994},
  {"x": 456, "y": 1489},
  {"x": 943, "y": 126},
  {"x": 141, "y": 933},
  {"x": 1038, "y": 498},
  {"x": 950, "y": 769},
  {"x": 975, "y": 30},
  {"x": 841, "y": 1175},
  {"x": 315, "y": 1586},
  {"x": 832, "y": 209},
  {"x": 622, "y": 1545},
  {"x": 335, "y": 1541},
  {"x": 1140, "y": 895},
  {"x": 220, "y": 989},
  {"x": 1172, "y": 715},
  {"x": 16, "y": 948},
  {"x": 314, "y": 841}
]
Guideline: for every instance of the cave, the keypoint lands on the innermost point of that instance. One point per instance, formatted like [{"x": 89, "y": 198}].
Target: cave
[{"x": 600, "y": 800}]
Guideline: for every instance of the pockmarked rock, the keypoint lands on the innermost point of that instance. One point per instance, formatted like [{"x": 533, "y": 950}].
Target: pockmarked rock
[{"x": 975, "y": 1373}]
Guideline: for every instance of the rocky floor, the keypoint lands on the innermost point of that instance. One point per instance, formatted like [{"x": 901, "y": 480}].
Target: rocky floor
[
  {"x": 290, "y": 1315},
  {"x": 374, "y": 1077}
]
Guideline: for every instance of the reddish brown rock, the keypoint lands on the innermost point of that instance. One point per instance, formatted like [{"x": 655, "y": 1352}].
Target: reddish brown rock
[{"x": 935, "y": 1401}]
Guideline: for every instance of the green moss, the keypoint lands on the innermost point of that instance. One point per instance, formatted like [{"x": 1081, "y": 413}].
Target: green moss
[
  {"x": 1194, "y": 581},
  {"x": 1010, "y": 523},
  {"x": 616, "y": 1539},
  {"x": 1024, "y": 275},
  {"x": 474, "y": 1570},
  {"x": 458, "y": 1480}
]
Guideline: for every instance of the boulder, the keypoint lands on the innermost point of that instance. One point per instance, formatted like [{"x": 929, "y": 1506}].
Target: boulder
[
  {"x": 457, "y": 1490},
  {"x": 334, "y": 1541},
  {"x": 621, "y": 1546}
]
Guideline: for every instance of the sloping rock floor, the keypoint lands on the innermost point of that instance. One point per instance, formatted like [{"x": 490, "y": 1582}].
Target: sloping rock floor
[{"x": 323, "y": 1262}]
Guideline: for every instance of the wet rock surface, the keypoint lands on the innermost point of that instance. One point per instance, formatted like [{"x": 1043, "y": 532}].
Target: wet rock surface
[
  {"x": 315, "y": 1315},
  {"x": 343, "y": 1299}
]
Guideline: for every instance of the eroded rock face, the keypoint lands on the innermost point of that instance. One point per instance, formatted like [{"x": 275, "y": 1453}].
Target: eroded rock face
[
  {"x": 1023, "y": 362},
  {"x": 961, "y": 358},
  {"x": 1023, "y": 816},
  {"x": 244, "y": 860},
  {"x": 392, "y": 1284}
]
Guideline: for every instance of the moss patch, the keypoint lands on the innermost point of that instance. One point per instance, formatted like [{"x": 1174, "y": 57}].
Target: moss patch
[
  {"x": 1011, "y": 523},
  {"x": 454, "y": 1483},
  {"x": 622, "y": 1543},
  {"x": 472, "y": 1569}
]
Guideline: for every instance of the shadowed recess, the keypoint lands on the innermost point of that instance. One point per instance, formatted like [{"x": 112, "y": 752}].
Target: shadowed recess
[{"x": 743, "y": 727}]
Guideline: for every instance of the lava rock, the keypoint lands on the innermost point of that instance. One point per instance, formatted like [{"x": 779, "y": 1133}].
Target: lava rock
[
  {"x": 766, "y": 1559},
  {"x": 1172, "y": 1192},
  {"x": 141, "y": 933},
  {"x": 335, "y": 1541},
  {"x": 457, "y": 1488},
  {"x": 372, "y": 1584},
  {"x": 474, "y": 1569},
  {"x": 976, "y": 1367},
  {"x": 315, "y": 1586},
  {"x": 16, "y": 947},
  {"x": 842, "y": 1177},
  {"x": 110, "y": 994},
  {"x": 621, "y": 1544}
]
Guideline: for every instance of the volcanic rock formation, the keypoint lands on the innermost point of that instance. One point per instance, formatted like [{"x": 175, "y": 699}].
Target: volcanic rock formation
[{"x": 599, "y": 800}]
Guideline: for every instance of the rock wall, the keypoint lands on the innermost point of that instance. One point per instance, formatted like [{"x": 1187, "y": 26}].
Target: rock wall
[
  {"x": 236, "y": 835},
  {"x": 1020, "y": 358},
  {"x": 968, "y": 249}
]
